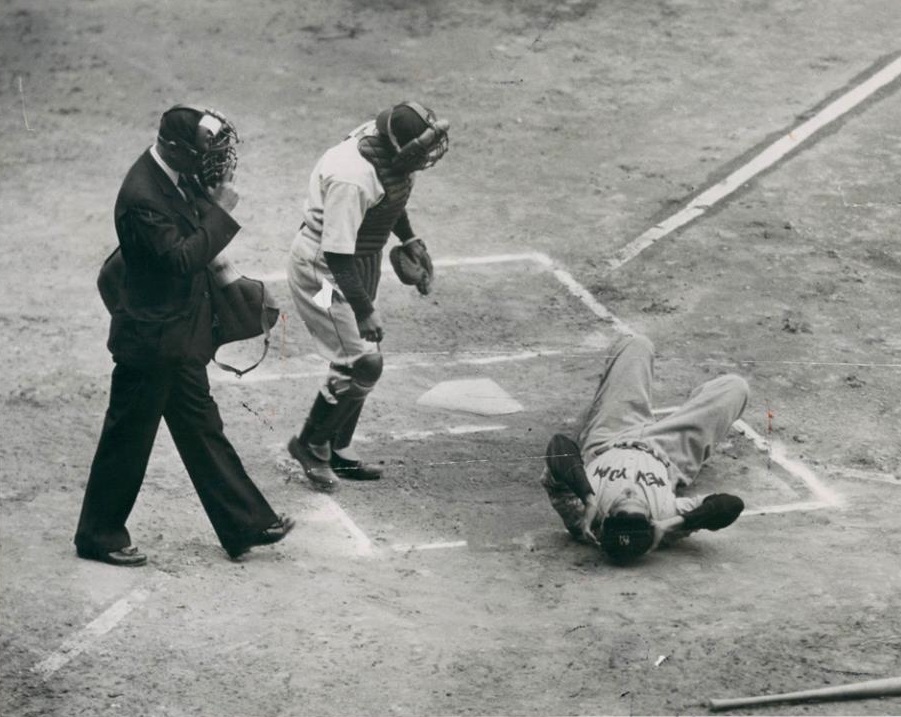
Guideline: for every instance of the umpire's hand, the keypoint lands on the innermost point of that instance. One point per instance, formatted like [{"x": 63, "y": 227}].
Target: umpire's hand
[{"x": 225, "y": 195}]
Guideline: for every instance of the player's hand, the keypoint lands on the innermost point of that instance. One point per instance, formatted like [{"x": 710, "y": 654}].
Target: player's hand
[
  {"x": 591, "y": 512},
  {"x": 371, "y": 328},
  {"x": 225, "y": 195},
  {"x": 663, "y": 527}
]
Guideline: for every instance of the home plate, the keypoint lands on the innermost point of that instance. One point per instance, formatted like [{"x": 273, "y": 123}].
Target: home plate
[{"x": 475, "y": 395}]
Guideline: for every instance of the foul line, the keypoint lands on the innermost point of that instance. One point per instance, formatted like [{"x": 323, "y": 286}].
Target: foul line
[
  {"x": 90, "y": 633},
  {"x": 766, "y": 159}
]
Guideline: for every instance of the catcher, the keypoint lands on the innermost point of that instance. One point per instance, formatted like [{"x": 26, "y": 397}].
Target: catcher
[
  {"x": 357, "y": 198},
  {"x": 616, "y": 487}
]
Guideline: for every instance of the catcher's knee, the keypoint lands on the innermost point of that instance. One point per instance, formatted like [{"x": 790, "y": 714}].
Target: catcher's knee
[
  {"x": 642, "y": 341},
  {"x": 358, "y": 379},
  {"x": 739, "y": 389}
]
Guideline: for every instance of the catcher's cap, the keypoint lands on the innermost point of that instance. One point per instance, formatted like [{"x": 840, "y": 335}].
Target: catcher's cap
[
  {"x": 626, "y": 536},
  {"x": 402, "y": 123},
  {"x": 417, "y": 135}
]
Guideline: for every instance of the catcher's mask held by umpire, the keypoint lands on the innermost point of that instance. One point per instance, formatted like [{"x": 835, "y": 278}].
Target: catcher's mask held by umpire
[
  {"x": 417, "y": 135},
  {"x": 625, "y": 537},
  {"x": 203, "y": 141}
]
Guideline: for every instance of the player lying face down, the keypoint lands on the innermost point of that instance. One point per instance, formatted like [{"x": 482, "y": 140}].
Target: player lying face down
[{"x": 616, "y": 486}]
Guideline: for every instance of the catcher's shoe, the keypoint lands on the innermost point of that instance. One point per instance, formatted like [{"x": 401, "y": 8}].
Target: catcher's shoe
[
  {"x": 317, "y": 470},
  {"x": 353, "y": 470}
]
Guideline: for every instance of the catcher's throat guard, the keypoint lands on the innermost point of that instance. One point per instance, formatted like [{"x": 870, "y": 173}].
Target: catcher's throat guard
[
  {"x": 423, "y": 151},
  {"x": 213, "y": 151}
]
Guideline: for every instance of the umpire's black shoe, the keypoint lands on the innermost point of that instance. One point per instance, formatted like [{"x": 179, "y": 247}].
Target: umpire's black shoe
[
  {"x": 353, "y": 470},
  {"x": 317, "y": 470},
  {"x": 275, "y": 532}
]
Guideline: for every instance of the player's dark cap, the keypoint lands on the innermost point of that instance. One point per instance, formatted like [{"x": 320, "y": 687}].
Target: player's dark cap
[
  {"x": 625, "y": 537},
  {"x": 179, "y": 124},
  {"x": 405, "y": 122}
]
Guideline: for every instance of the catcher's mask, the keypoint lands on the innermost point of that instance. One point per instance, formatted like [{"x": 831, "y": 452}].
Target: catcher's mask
[
  {"x": 625, "y": 537},
  {"x": 205, "y": 137},
  {"x": 417, "y": 135}
]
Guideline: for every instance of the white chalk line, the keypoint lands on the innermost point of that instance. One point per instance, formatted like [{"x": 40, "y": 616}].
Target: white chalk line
[
  {"x": 330, "y": 511},
  {"x": 228, "y": 378},
  {"x": 80, "y": 641},
  {"x": 764, "y": 160},
  {"x": 787, "y": 508},
  {"x": 777, "y": 453},
  {"x": 401, "y": 548}
]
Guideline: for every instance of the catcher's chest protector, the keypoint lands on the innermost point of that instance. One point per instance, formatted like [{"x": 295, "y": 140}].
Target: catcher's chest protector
[{"x": 379, "y": 220}]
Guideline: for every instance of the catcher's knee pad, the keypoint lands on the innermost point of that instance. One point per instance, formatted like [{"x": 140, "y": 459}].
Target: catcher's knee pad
[{"x": 357, "y": 379}]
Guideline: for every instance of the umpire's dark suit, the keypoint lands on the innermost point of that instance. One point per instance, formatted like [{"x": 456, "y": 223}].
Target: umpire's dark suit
[{"x": 161, "y": 340}]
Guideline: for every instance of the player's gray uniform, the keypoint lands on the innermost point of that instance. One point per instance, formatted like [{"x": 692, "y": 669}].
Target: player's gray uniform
[
  {"x": 343, "y": 187},
  {"x": 624, "y": 446}
]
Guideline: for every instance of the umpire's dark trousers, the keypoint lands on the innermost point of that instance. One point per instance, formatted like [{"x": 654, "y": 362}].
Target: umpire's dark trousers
[{"x": 179, "y": 394}]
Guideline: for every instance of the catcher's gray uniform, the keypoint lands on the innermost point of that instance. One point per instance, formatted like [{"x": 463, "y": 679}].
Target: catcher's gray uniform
[
  {"x": 356, "y": 199},
  {"x": 343, "y": 187},
  {"x": 629, "y": 454}
]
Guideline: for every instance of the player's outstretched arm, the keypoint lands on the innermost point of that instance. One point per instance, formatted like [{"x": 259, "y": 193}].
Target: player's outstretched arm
[{"x": 716, "y": 512}]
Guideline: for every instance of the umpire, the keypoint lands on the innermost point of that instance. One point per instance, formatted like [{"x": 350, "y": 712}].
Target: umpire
[
  {"x": 172, "y": 218},
  {"x": 357, "y": 197}
]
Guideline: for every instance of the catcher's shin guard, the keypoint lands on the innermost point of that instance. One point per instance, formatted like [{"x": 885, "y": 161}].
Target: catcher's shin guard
[
  {"x": 349, "y": 386},
  {"x": 344, "y": 434},
  {"x": 320, "y": 413}
]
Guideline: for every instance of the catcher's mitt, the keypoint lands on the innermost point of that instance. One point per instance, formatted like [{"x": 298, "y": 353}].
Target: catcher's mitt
[{"x": 412, "y": 264}]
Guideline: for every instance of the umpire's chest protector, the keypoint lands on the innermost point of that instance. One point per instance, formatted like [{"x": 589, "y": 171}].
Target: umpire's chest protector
[{"x": 379, "y": 220}]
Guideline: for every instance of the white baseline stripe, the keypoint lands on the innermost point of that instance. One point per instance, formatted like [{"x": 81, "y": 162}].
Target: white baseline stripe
[
  {"x": 331, "y": 509},
  {"x": 429, "y": 546},
  {"x": 446, "y": 261},
  {"x": 777, "y": 453},
  {"x": 787, "y": 508},
  {"x": 90, "y": 633},
  {"x": 225, "y": 377},
  {"x": 767, "y": 158}
]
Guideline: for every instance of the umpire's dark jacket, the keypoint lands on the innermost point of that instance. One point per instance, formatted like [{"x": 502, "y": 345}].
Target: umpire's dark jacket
[{"x": 164, "y": 314}]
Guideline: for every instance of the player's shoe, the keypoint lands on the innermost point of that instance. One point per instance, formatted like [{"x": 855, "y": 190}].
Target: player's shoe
[
  {"x": 317, "y": 470},
  {"x": 353, "y": 470}
]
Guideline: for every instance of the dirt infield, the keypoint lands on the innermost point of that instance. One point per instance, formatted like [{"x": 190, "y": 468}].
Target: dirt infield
[{"x": 450, "y": 587}]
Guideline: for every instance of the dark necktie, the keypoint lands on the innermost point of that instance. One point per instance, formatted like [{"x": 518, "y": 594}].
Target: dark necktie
[{"x": 184, "y": 184}]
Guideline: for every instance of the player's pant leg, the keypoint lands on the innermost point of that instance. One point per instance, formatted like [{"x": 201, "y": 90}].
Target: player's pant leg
[
  {"x": 689, "y": 434},
  {"x": 333, "y": 327},
  {"x": 369, "y": 269},
  {"x": 120, "y": 461},
  {"x": 623, "y": 396},
  {"x": 235, "y": 506}
]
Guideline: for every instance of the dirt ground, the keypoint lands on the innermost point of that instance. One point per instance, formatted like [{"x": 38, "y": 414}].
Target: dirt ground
[{"x": 576, "y": 126}]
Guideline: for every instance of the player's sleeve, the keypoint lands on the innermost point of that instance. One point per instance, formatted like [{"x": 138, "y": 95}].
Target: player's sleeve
[
  {"x": 344, "y": 205},
  {"x": 403, "y": 230},
  {"x": 344, "y": 271}
]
